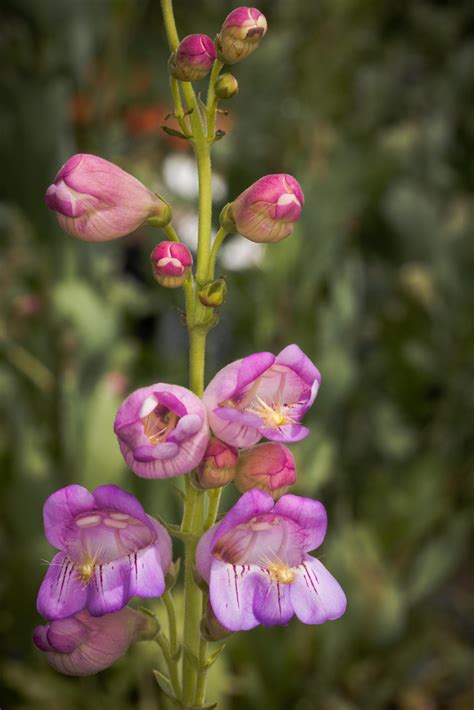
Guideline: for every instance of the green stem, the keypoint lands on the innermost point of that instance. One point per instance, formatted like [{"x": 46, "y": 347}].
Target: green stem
[
  {"x": 170, "y": 663},
  {"x": 214, "y": 500},
  {"x": 212, "y": 101},
  {"x": 197, "y": 318},
  {"x": 178, "y": 104},
  {"x": 220, "y": 236},
  {"x": 172, "y": 631},
  {"x": 171, "y": 233}
]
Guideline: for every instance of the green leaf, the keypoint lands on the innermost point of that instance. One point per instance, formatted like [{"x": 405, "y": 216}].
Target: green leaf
[
  {"x": 165, "y": 685},
  {"x": 214, "y": 656}
]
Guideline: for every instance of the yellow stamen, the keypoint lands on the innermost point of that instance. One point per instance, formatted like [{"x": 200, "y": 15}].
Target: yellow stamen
[{"x": 281, "y": 573}]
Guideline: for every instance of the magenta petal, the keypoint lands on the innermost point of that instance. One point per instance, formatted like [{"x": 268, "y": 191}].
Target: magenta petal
[
  {"x": 65, "y": 635},
  {"x": 309, "y": 514},
  {"x": 204, "y": 556},
  {"x": 288, "y": 434},
  {"x": 315, "y": 595},
  {"x": 164, "y": 543},
  {"x": 115, "y": 498},
  {"x": 169, "y": 400},
  {"x": 109, "y": 590},
  {"x": 251, "y": 367},
  {"x": 232, "y": 589},
  {"x": 61, "y": 508},
  {"x": 230, "y": 414},
  {"x": 160, "y": 452},
  {"x": 61, "y": 593},
  {"x": 146, "y": 574},
  {"x": 250, "y": 504},
  {"x": 271, "y": 604},
  {"x": 187, "y": 426},
  {"x": 40, "y": 638}
]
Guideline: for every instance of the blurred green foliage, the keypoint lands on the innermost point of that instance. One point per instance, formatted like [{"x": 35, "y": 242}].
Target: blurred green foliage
[{"x": 370, "y": 105}]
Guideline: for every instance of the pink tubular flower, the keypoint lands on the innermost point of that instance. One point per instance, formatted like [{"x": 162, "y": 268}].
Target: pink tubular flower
[
  {"x": 267, "y": 210},
  {"x": 110, "y": 551},
  {"x": 257, "y": 565},
  {"x": 240, "y": 34},
  {"x": 217, "y": 467},
  {"x": 262, "y": 395},
  {"x": 171, "y": 262},
  {"x": 95, "y": 200},
  {"x": 269, "y": 467},
  {"x": 193, "y": 58},
  {"x": 83, "y": 645},
  {"x": 162, "y": 431}
]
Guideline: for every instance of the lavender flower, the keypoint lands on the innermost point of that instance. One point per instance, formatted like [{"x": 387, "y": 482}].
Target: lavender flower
[
  {"x": 110, "y": 551},
  {"x": 269, "y": 467},
  {"x": 95, "y": 200},
  {"x": 83, "y": 645},
  {"x": 162, "y": 431},
  {"x": 267, "y": 210},
  {"x": 262, "y": 395},
  {"x": 257, "y": 565}
]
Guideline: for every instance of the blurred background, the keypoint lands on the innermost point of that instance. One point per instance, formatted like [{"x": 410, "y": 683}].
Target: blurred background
[{"x": 370, "y": 105}]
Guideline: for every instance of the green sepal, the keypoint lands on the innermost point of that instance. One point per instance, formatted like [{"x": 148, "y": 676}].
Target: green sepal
[
  {"x": 165, "y": 685},
  {"x": 174, "y": 132},
  {"x": 214, "y": 656}
]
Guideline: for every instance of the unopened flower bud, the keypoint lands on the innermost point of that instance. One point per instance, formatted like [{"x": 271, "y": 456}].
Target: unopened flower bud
[
  {"x": 269, "y": 467},
  {"x": 95, "y": 200},
  {"x": 211, "y": 627},
  {"x": 226, "y": 86},
  {"x": 213, "y": 294},
  {"x": 193, "y": 58},
  {"x": 83, "y": 645},
  {"x": 217, "y": 467},
  {"x": 171, "y": 262},
  {"x": 240, "y": 34},
  {"x": 267, "y": 210}
]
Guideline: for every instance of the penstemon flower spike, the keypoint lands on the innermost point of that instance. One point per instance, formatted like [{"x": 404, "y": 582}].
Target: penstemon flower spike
[{"x": 253, "y": 567}]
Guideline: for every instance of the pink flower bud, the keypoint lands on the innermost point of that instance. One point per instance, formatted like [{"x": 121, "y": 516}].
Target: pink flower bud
[
  {"x": 171, "y": 262},
  {"x": 193, "y": 58},
  {"x": 269, "y": 467},
  {"x": 267, "y": 210},
  {"x": 217, "y": 467},
  {"x": 240, "y": 34},
  {"x": 83, "y": 644},
  {"x": 95, "y": 200}
]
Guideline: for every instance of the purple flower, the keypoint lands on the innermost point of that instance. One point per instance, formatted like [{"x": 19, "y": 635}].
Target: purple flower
[
  {"x": 240, "y": 34},
  {"x": 162, "y": 431},
  {"x": 262, "y": 395},
  {"x": 95, "y": 200},
  {"x": 171, "y": 262},
  {"x": 110, "y": 551},
  {"x": 267, "y": 210},
  {"x": 217, "y": 467},
  {"x": 193, "y": 58},
  {"x": 84, "y": 645},
  {"x": 257, "y": 565},
  {"x": 269, "y": 467}
]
